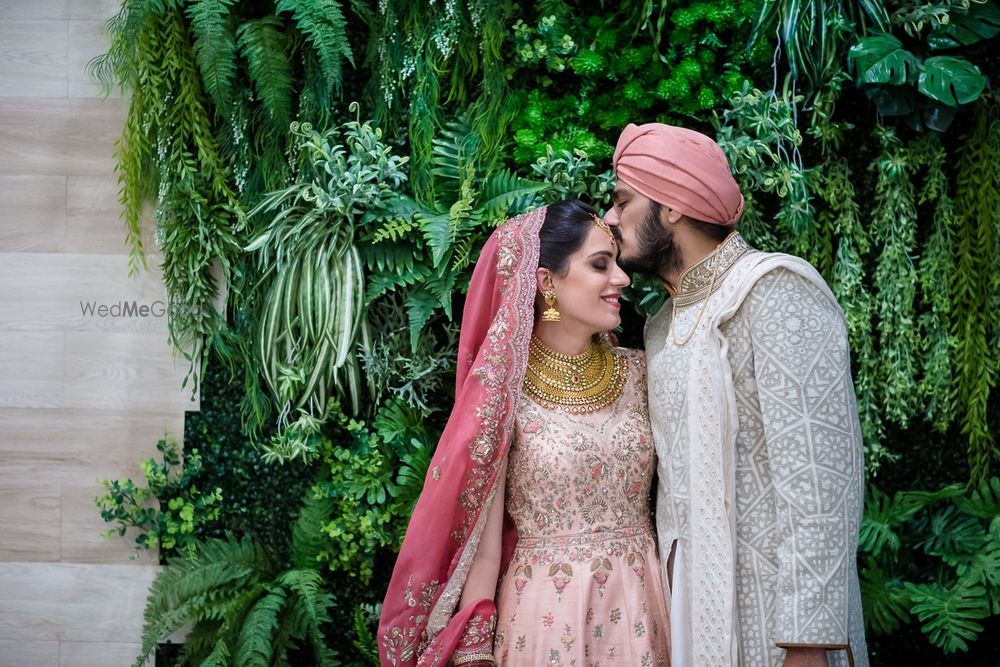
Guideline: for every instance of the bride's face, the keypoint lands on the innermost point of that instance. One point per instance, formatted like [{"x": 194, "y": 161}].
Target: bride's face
[{"x": 588, "y": 293}]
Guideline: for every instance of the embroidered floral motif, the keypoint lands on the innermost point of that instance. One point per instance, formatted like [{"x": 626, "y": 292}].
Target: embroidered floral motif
[
  {"x": 578, "y": 493},
  {"x": 478, "y": 632},
  {"x": 501, "y": 360}
]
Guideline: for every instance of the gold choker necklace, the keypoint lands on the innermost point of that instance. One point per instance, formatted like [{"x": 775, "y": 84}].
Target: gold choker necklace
[{"x": 576, "y": 384}]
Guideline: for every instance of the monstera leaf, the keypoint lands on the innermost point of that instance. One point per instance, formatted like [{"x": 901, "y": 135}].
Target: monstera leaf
[
  {"x": 981, "y": 21},
  {"x": 952, "y": 81},
  {"x": 950, "y": 617},
  {"x": 881, "y": 58}
]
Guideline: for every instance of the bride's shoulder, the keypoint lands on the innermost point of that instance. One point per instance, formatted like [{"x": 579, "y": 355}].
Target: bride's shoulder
[{"x": 636, "y": 358}]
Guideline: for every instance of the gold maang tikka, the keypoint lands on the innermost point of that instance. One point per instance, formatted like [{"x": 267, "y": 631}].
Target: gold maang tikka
[{"x": 604, "y": 227}]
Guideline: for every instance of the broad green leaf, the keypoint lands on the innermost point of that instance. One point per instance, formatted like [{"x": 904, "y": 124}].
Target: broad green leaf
[
  {"x": 882, "y": 516},
  {"x": 980, "y": 22},
  {"x": 881, "y": 58},
  {"x": 983, "y": 502},
  {"x": 953, "y": 81},
  {"x": 885, "y": 600},
  {"x": 950, "y": 616}
]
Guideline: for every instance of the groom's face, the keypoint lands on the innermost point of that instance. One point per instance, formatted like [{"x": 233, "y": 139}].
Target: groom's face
[{"x": 647, "y": 245}]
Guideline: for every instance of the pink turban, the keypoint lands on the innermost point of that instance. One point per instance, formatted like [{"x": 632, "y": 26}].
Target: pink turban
[{"x": 681, "y": 169}]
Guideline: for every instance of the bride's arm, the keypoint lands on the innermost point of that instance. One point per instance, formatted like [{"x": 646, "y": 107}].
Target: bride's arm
[{"x": 476, "y": 645}]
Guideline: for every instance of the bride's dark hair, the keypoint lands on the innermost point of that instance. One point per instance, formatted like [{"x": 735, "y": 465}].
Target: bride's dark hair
[{"x": 566, "y": 226}]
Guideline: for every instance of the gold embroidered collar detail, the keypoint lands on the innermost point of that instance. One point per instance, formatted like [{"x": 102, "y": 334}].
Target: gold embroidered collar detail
[
  {"x": 697, "y": 282},
  {"x": 576, "y": 384}
]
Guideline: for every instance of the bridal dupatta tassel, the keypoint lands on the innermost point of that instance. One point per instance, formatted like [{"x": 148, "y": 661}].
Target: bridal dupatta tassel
[{"x": 420, "y": 624}]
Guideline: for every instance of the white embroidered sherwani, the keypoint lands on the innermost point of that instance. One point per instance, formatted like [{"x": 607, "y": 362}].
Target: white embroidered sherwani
[{"x": 760, "y": 462}]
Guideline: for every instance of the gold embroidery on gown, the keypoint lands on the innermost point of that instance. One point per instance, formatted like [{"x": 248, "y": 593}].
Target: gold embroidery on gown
[{"x": 583, "y": 587}]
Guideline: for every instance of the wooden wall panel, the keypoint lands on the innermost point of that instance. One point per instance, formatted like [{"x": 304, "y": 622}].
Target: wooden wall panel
[
  {"x": 29, "y": 522},
  {"x": 85, "y": 41},
  {"x": 72, "y": 603},
  {"x": 82, "y": 10},
  {"x": 82, "y": 397},
  {"x": 97, "y": 654},
  {"x": 32, "y": 369},
  {"x": 28, "y": 654},
  {"x": 123, "y": 371},
  {"x": 76, "y": 447},
  {"x": 64, "y": 292},
  {"x": 33, "y": 58},
  {"x": 93, "y": 218},
  {"x": 33, "y": 215},
  {"x": 61, "y": 136}
]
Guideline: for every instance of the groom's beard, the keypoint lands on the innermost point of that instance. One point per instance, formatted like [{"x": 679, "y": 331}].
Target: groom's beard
[{"x": 657, "y": 253}]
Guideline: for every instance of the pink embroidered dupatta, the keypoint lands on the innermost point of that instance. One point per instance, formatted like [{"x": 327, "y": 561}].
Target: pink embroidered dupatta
[{"x": 419, "y": 623}]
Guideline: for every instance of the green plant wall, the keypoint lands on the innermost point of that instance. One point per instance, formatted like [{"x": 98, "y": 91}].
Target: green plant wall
[{"x": 864, "y": 135}]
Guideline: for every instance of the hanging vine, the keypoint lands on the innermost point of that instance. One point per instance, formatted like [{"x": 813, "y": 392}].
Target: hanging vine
[
  {"x": 977, "y": 207},
  {"x": 936, "y": 267},
  {"x": 841, "y": 215},
  {"x": 894, "y": 224}
]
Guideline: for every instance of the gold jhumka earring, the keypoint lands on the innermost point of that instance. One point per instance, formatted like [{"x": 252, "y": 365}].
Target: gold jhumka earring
[{"x": 551, "y": 314}]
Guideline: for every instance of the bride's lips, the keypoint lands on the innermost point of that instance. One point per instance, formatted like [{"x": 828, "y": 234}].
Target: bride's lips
[{"x": 612, "y": 300}]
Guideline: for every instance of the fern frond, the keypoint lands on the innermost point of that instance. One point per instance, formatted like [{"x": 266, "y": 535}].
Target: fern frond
[
  {"x": 505, "y": 194},
  {"x": 439, "y": 232},
  {"x": 215, "y": 47},
  {"x": 307, "y": 584},
  {"x": 365, "y": 615},
  {"x": 307, "y": 541},
  {"x": 382, "y": 284},
  {"x": 442, "y": 286},
  {"x": 323, "y": 25},
  {"x": 266, "y": 47},
  {"x": 395, "y": 229},
  {"x": 420, "y": 305},
  {"x": 256, "y": 646}
]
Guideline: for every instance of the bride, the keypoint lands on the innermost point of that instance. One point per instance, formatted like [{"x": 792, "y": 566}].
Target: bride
[{"x": 532, "y": 543}]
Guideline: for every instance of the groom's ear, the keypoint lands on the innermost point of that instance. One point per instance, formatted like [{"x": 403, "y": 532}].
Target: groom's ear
[{"x": 671, "y": 216}]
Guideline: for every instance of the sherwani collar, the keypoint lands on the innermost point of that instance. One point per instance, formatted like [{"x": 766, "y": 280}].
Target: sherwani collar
[{"x": 696, "y": 282}]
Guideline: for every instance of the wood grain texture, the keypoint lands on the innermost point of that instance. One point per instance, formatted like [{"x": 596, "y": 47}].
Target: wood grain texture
[
  {"x": 28, "y": 654},
  {"x": 72, "y": 136},
  {"x": 33, "y": 57},
  {"x": 59, "y": 212},
  {"x": 93, "y": 218},
  {"x": 70, "y": 602},
  {"x": 125, "y": 371},
  {"x": 66, "y": 292},
  {"x": 33, "y": 367},
  {"x": 85, "y": 41},
  {"x": 32, "y": 214},
  {"x": 77, "y": 447},
  {"x": 29, "y": 522},
  {"x": 81, "y": 527},
  {"x": 98, "y": 654},
  {"x": 86, "y": 10}
]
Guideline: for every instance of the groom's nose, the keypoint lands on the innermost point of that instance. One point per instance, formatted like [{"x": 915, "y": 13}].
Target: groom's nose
[{"x": 611, "y": 217}]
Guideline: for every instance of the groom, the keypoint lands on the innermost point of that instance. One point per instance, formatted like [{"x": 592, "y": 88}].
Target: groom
[{"x": 754, "y": 417}]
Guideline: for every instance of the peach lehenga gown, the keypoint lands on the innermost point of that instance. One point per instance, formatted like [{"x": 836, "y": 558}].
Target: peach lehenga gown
[{"x": 583, "y": 587}]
